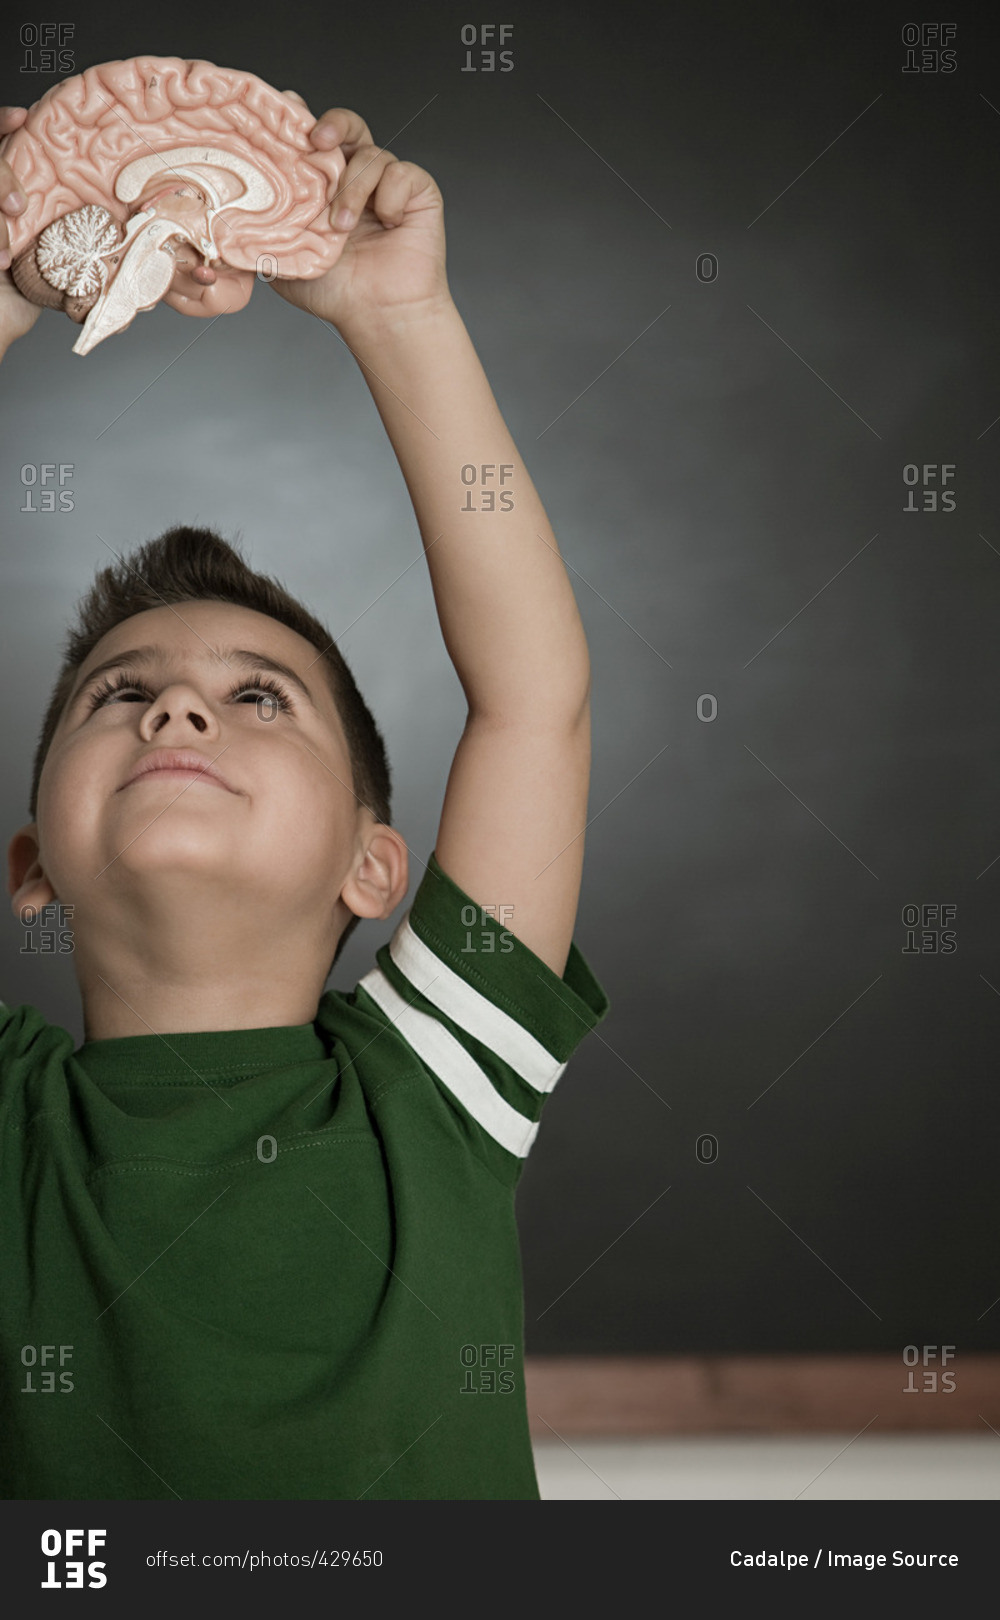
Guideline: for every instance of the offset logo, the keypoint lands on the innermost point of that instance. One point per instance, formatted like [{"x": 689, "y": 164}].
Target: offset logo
[{"x": 63, "y": 1568}]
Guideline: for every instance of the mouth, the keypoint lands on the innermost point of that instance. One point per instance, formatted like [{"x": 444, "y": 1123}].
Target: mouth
[
  {"x": 181, "y": 763},
  {"x": 179, "y": 770}
]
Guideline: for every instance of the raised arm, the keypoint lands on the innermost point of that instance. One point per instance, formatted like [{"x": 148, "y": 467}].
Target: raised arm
[{"x": 511, "y": 831}]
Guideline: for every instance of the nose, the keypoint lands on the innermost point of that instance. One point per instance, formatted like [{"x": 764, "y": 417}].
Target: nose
[{"x": 178, "y": 705}]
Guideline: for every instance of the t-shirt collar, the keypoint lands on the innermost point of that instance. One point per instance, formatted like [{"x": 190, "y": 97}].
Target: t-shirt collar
[{"x": 228, "y": 1053}]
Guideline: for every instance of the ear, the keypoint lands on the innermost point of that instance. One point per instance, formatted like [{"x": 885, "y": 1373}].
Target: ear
[
  {"x": 378, "y": 883},
  {"x": 26, "y": 882}
]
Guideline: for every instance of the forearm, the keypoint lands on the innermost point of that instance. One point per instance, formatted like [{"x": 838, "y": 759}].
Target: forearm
[{"x": 504, "y": 599}]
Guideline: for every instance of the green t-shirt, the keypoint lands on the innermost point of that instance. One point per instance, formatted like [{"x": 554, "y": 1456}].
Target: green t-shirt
[{"x": 283, "y": 1262}]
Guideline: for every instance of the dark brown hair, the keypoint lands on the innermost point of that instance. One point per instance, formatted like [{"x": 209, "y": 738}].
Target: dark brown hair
[{"x": 188, "y": 565}]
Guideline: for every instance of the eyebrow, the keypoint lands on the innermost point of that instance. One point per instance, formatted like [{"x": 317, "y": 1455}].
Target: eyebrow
[{"x": 144, "y": 656}]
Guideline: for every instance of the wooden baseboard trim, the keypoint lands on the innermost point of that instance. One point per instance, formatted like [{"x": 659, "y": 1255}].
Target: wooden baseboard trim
[{"x": 634, "y": 1395}]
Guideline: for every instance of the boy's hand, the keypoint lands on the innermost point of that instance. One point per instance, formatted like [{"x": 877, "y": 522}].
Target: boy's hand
[
  {"x": 393, "y": 260},
  {"x": 17, "y": 314}
]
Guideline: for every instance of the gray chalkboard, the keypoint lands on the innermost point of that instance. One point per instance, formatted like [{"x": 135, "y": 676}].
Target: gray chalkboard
[{"x": 732, "y": 275}]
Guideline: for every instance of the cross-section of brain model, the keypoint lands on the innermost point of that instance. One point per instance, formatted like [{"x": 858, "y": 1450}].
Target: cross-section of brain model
[{"x": 158, "y": 178}]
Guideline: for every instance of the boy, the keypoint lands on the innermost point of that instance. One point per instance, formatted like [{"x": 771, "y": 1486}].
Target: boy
[{"x": 270, "y": 1228}]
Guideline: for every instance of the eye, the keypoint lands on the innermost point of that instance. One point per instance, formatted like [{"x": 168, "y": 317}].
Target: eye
[
  {"x": 121, "y": 684},
  {"x": 263, "y": 684},
  {"x": 125, "y": 687}
]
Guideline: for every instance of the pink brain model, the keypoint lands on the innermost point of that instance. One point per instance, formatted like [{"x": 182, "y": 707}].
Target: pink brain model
[{"x": 158, "y": 178}]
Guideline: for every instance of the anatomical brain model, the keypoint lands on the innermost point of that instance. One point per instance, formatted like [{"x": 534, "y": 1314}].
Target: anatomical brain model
[{"x": 158, "y": 178}]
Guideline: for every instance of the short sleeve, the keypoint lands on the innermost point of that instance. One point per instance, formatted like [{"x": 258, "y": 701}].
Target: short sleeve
[
  {"x": 490, "y": 1022},
  {"x": 33, "y": 1053}
]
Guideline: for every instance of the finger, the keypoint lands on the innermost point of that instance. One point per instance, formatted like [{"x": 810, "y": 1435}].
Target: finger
[
  {"x": 399, "y": 182},
  {"x": 339, "y": 125},
  {"x": 359, "y": 180},
  {"x": 11, "y": 118}
]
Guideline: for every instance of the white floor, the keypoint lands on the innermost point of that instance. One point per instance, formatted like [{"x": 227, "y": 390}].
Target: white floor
[{"x": 811, "y": 1467}]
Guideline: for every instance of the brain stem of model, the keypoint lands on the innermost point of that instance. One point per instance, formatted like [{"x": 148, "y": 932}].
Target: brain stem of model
[{"x": 112, "y": 274}]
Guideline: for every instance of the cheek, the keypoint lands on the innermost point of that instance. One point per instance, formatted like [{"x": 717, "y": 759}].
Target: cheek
[
  {"x": 316, "y": 808},
  {"x": 320, "y": 809},
  {"x": 67, "y": 823}
]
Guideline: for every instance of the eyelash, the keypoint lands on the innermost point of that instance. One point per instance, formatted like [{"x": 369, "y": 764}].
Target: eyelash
[{"x": 125, "y": 682}]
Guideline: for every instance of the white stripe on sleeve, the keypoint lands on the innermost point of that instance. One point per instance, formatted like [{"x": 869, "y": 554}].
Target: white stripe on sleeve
[
  {"x": 474, "y": 1012},
  {"x": 453, "y": 1066}
]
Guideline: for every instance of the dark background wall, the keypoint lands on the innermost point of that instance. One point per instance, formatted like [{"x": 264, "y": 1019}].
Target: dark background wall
[{"x": 724, "y": 462}]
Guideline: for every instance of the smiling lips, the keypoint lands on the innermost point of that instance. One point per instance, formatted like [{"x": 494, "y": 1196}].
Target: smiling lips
[{"x": 178, "y": 762}]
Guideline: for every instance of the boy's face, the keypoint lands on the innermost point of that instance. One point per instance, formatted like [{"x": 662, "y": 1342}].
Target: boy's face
[{"x": 271, "y": 844}]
